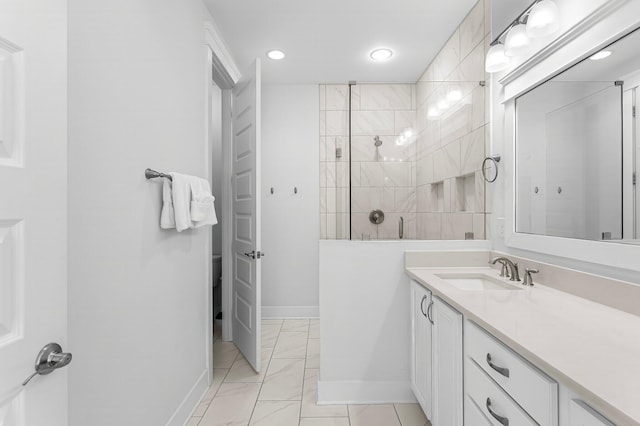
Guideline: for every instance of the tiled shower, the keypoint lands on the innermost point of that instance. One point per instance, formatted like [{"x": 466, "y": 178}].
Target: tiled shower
[{"x": 413, "y": 151}]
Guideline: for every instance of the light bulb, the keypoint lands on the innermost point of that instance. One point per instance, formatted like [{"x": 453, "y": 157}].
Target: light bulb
[
  {"x": 496, "y": 59},
  {"x": 517, "y": 42},
  {"x": 544, "y": 19}
]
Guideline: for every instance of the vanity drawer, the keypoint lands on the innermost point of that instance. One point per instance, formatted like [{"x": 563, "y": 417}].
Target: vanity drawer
[
  {"x": 473, "y": 414},
  {"x": 533, "y": 390},
  {"x": 493, "y": 402}
]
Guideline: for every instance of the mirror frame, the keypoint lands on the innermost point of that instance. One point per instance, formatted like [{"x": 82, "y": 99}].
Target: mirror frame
[{"x": 606, "y": 24}]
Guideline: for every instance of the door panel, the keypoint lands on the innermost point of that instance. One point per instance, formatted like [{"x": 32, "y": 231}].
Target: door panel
[
  {"x": 33, "y": 207},
  {"x": 246, "y": 294}
]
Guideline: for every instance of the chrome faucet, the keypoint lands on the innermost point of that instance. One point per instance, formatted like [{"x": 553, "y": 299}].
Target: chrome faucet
[{"x": 513, "y": 268}]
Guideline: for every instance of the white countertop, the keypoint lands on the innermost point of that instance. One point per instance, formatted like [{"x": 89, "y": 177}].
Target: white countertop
[{"x": 591, "y": 348}]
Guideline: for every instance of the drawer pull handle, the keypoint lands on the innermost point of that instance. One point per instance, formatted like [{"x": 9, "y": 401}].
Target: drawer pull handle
[
  {"x": 501, "y": 419},
  {"x": 501, "y": 370},
  {"x": 422, "y": 305},
  {"x": 429, "y": 310}
]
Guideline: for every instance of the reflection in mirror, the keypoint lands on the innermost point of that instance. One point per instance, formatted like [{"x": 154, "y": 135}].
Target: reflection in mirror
[{"x": 576, "y": 149}]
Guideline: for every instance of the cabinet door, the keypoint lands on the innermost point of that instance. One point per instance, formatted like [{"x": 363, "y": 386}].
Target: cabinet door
[
  {"x": 447, "y": 365},
  {"x": 580, "y": 414},
  {"x": 421, "y": 347}
]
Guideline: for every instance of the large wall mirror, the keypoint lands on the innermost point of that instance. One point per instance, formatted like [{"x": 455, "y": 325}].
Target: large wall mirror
[{"x": 577, "y": 149}]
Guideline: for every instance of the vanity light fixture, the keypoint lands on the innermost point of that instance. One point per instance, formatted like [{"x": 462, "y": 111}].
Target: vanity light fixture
[
  {"x": 540, "y": 19},
  {"x": 381, "y": 54},
  {"x": 275, "y": 54},
  {"x": 517, "y": 42},
  {"x": 543, "y": 20},
  {"x": 496, "y": 59},
  {"x": 600, "y": 55}
]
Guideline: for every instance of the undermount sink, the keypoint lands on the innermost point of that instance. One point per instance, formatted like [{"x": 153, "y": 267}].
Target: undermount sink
[{"x": 476, "y": 282}]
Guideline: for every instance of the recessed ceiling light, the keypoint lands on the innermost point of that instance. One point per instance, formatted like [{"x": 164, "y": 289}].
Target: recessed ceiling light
[
  {"x": 276, "y": 55},
  {"x": 381, "y": 54},
  {"x": 600, "y": 55}
]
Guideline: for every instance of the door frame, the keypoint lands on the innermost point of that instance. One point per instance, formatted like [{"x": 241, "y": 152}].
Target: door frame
[{"x": 224, "y": 72}]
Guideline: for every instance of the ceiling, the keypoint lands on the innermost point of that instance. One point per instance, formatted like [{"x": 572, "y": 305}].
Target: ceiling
[{"x": 329, "y": 41}]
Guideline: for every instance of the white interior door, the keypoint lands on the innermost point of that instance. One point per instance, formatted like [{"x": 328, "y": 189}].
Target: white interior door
[
  {"x": 33, "y": 207},
  {"x": 246, "y": 244}
]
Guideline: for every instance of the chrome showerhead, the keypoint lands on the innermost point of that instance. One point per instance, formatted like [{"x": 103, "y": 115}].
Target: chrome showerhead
[{"x": 377, "y": 141}]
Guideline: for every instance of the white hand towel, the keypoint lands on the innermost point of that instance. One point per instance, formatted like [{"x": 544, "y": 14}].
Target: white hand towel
[
  {"x": 202, "y": 203},
  {"x": 167, "y": 218},
  {"x": 181, "y": 192}
]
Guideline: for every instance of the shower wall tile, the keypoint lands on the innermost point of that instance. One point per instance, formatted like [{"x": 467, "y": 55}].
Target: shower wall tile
[
  {"x": 342, "y": 226},
  {"x": 481, "y": 192},
  {"x": 342, "y": 175},
  {"x": 355, "y": 98},
  {"x": 414, "y": 97},
  {"x": 331, "y": 200},
  {"x": 323, "y": 175},
  {"x": 472, "y": 67},
  {"x": 331, "y": 174},
  {"x": 478, "y": 116},
  {"x": 405, "y": 200},
  {"x": 456, "y": 124},
  {"x": 385, "y": 97},
  {"x": 323, "y": 226},
  {"x": 361, "y": 226},
  {"x": 472, "y": 29},
  {"x": 323, "y": 200},
  {"x": 487, "y": 17},
  {"x": 388, "y": 200},
  {"x": 322, "y": 96},
  {"x": 397, "y": 174},
  {"x": 363, "y": 200},
  {"x": 323, "y": 123},
  {"x": 405, "y": 120},
  {"x": 331, "y": 226},
  {"x": 371, "y": 174},
  {"x": 478, "y": 226},
  {"x": 472, "y": 151},
  {"x": 323, "y": 149},
  {"x": 372, "y": 122},
  {"x": 337, "y": 123},
  {"x": 448, "y": 58},
  {"x": 342, "y": 200},
  {"x": 356, "y": 179},
  {"x": 454, "y": 225},
  {"x": 446, "y": 162},
  {"x": 337, "y": 97}
]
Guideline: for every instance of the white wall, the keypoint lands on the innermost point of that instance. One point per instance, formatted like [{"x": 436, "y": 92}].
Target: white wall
[
  {"x": 290, "y": 222},
  {"x": 136, "y": 293},
  {"x": 365, "y": 322}
]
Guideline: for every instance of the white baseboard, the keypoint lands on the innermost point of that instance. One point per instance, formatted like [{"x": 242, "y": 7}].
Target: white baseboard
[
  {"x": 290, "y": 312},
  {"x": 190, "y": 402},
  {"x": 361, "y": 392}
]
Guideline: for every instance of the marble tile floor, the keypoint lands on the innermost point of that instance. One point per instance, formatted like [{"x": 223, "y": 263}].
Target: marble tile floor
[{"x": 285, "y": 392}]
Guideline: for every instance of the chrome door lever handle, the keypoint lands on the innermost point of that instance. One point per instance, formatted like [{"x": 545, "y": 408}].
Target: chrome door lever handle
[
  {"x": 49, "y": 358},
  {"x": 254, "y": 254}
]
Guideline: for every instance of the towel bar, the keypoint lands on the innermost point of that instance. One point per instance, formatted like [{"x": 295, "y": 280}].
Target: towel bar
[{"x": 152, "y": 174}]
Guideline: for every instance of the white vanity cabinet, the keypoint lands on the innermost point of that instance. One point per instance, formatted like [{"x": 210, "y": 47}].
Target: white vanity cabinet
[
  {"x": 580, "y": 414},
  {"x": 505, "y": 387},
  {"x": 447, "y": 365},
  {"x": 436, "y": 357},
  {"x": 421, "y": 333}
]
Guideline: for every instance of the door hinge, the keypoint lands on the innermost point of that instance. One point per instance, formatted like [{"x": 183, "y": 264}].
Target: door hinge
[
  {"x": 633, "y": 111},
  {"x": 633, "y": 179}
]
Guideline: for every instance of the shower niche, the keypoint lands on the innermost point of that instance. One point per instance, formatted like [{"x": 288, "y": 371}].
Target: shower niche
[{"x": 411, "y": 151}]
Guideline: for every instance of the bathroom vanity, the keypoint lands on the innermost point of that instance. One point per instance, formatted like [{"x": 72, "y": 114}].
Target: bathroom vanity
[{"x": 489, "y": 351}]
